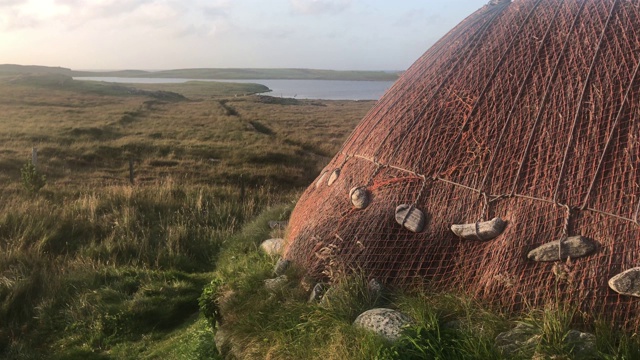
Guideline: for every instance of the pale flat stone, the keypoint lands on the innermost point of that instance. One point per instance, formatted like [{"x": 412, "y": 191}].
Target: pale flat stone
[
  {"x": 387, "y": 323},
  {"x": 272, "y": 247},
  {"x": 410, "y": 217},
  {"x": 574, "y": 247},
  {"x": 281, "y": 266},
  {"x": 485, "y": 230},
  {"x": 276, "y": 283},
  {"x": 334, "y": 176},
  {"x": 627, "y": 282},
  {"x": 359, "y": 197}
]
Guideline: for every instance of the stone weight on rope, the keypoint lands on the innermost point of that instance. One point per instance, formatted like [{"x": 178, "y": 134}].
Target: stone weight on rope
[
  {"x": 321, "y": 179},
  {"x": 485, "y": 230},
  {"x": 627, "y": 282},
  {"x": 410, "y": 217},
  {"x": 334, "y": 176},
  {"x": 574, "y": 247},
  {"x": 359, "y": 197}
]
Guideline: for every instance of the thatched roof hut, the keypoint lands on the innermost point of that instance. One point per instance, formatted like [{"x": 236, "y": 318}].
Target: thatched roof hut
[{"x": 528, "y": 111}]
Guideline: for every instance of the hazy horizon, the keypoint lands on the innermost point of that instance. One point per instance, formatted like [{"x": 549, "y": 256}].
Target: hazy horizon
[{"x": 157, "y": 35}]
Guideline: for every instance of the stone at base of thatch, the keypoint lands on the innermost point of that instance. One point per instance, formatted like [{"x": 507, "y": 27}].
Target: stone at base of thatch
[
  {"x": 277, "y": 283},
  {"x": 582, "y": 344},
  {"x": 574, "y": 247},
  {"x": 334, "y": 176},
  {"x": 387, "y": 323},
  {"x": 278, "y": 224},
  {"x": 281, "y": 266},
  {"x": 410, "y": 217},
  {"x": 318, "y": 292},
  {"x": 627, "y": 282},
  {"x": 359, "y": 197},
  {"x": 521, "y": 340},
  {"x": 272, "y": 247},
  {"x": 485, "y": 230},
  {"x": 375, "y": 288}
]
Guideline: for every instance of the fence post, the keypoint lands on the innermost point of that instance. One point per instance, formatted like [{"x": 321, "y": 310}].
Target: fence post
[{"x": 34, "y": 157}]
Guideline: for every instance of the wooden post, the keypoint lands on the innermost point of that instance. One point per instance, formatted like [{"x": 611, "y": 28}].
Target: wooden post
[
  {"x": 241, "y": 190},
  {"x": 34, "y": 157},
  {"x": 131, "y": 171}
]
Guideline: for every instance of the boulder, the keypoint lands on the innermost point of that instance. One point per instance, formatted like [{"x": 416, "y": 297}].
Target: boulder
[
  {"x": 521, "y": 340},
  {"x": 318, "y": 292},
  {"x": 276, "y": 283},
  {"x": 387, "y": 323},
  {"x": 272, "y": 247},
  {"x": 281, "y": 266},
  {"x": 627, "y": 282},
  {"x": 574, "y": 247},
  {"x": 582, "y": 344}
]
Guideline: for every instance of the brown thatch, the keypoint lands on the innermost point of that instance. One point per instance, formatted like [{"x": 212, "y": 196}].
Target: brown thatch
[{"x": 528, "y": 111}]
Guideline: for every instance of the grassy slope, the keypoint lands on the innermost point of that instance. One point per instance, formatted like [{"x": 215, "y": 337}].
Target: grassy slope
[{"x": 92, "y": 267}]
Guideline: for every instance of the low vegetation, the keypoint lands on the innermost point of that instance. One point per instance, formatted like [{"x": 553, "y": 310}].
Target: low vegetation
[{"x": 94, "y": 266}]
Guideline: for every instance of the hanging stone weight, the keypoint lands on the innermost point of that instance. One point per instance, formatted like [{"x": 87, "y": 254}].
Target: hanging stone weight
[
  {"x": 485, "y": 230},
  {"x": 334, "y": 176},
  {"x": 573, "y": 247},
  {"x": 627, "y": 282},
  {"x": 410, "y": 217},
  {"x": 320, "y": 179},
  {"x": 359, "y": 197}
]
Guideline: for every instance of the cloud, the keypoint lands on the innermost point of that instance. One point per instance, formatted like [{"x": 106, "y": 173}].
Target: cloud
[
  {"x": 418, "y": 17},
  {"x": 314, "y": 7},
  {"x": 9, "y": 3}
]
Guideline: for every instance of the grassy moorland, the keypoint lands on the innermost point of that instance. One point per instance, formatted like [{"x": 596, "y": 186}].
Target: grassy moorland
[{"x": 92, "y": 266}]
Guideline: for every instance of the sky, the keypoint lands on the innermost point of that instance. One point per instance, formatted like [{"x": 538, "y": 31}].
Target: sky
[{"x": 173, "y": 34}]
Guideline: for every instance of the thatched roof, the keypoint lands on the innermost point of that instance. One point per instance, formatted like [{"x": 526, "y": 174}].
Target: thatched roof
[{"x": 528, "y": 111}]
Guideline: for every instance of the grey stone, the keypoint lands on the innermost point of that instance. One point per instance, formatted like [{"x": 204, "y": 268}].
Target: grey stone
[
  {"x": 410, "y": 217},
  {"x": 582, "y": 344},
  {"x": 276, "y": 283},
  {"x": 627, "y": 282},
  {"x": 521, "y": 340},
  {"x": 485, "y": 230},
  {"x": 334, "y": 176},
  {"x": 387, "y": 323},
  {"x": 281, "y": 266},
  {"x": 574, "y": 247},
  {"x": 375, "y": 288},
  {"x": 359, "y": 197},
  {"x": 318, "y": 292},
  {"x": 272, "y": 247},
  {"x": 278, "y": 224},
  {"x": 329, "y": 294}
]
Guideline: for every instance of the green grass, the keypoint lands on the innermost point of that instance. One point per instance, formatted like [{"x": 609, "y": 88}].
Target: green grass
[{"x": 92, "y": 266}]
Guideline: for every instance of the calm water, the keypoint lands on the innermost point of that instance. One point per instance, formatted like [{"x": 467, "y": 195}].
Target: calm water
[{"x": 299, "y": 89}]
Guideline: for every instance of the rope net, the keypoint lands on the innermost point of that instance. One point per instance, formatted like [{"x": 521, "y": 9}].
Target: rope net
[{"x": 527, "y": 110}]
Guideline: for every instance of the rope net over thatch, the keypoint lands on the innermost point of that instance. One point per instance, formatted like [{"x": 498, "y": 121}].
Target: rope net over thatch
[{"x": 528, "y": 111}]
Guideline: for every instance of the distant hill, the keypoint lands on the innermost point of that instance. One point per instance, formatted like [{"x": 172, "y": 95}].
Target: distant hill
[{"x": 223, "y": 74}]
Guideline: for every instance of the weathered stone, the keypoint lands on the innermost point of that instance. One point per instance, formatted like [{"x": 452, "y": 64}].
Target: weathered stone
[
  {"x": 359, "y": 197},
  {"x": 328, "y": 296},
  {"x": 582, "y": 345},
  {"x": 574, "y": 247},
  {"x": 272, "y": 246},
  {"x": 387, "y": 323},
  {"x": 375, "y": 288},
  {"x": 281, "y": 266},
  {"x": 485, "y": 230},
  {"x": 278, "y": 224},
  {"x": 318, "y": 292},
  {"x": 521, "y": 340},
  {"x": 276, "y": 283},
  {"x": 321, "y": 179},
  {"x": 334, "y": 176},
  {"x": 627, "y": 282},
  {"x": 410, "y": 217}
]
